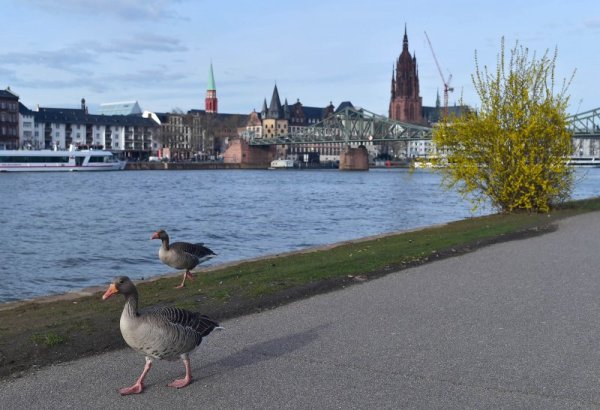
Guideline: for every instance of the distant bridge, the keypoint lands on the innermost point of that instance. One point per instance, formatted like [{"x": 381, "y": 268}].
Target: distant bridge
[
  {"x": 585, "y": 124},
  {"x": 356, "y": 126},
  {"x": 350, "y": 125}
]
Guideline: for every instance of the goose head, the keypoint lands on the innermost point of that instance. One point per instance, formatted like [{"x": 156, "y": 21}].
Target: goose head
[
  {"x": 121, "y": 284},
  {"x": 160, "y": 234}
]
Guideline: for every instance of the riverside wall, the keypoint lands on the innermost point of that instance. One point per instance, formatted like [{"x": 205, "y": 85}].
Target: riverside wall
[{"x": 155, "y": 166}]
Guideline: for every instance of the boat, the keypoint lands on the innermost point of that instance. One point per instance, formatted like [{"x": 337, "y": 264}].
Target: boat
[
  {"x": 282, "y": 164},
  {"x": 588, "y": 162},
  {"x": 56, "y": 160}
]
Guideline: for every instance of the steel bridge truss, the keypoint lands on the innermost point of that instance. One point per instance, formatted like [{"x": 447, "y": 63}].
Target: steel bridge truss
[
  {"x": 585, "y": 124},
  {"x": 350, "y": 125}
]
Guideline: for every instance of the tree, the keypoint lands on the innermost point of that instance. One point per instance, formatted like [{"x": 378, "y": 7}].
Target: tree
[{"x": 511, "y": 152}]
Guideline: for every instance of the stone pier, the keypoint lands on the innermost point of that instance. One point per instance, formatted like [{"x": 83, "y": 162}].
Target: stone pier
[
  {"x": 240, "y": 152},
  {"x": 354, "y": 159}
]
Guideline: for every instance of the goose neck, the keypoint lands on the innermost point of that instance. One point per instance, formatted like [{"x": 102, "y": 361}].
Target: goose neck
[{"x": 131, "y": 305}]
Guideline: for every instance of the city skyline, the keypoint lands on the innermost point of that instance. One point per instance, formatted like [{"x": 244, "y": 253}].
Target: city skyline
[{"x": 158, "y": 52}]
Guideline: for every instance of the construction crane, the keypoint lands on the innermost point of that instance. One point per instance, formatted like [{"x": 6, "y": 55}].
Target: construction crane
[{"x": 446, "y": 83}]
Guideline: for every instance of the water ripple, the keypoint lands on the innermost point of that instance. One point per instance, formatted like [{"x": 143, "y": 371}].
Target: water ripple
[{"x": 74, "y": 230}]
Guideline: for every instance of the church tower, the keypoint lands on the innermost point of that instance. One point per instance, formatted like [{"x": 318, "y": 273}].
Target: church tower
[
  {"x": 211, "y": 102},
  {"x": 405, "y": 102},
  {"x": 274, "y": 122}
]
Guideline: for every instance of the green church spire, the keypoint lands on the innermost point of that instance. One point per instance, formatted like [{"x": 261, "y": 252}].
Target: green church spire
[{"x": 211, "y": 80}]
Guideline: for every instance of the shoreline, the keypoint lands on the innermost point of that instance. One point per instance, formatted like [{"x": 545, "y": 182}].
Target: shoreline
[
  {"x": 52, "y": 329},
  {"x": 91, "y": 290}
]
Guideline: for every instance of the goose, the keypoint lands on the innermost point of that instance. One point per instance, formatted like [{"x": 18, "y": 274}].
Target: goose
[
  {"x": 181, "y": 255},
  {"x": 159, "y": 332}
]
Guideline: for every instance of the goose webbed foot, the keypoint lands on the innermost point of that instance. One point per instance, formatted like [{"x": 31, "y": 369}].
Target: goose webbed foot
[
  {"x": 138, "y": 387},
  {"x": 135, "y": 389},
  {"x": 179, "y": 383},
  {"x": 186, "y": 275}
]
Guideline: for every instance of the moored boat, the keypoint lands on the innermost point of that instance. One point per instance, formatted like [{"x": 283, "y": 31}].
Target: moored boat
[
  {"x": 54, "y": 160},
  {"x": 282, "y": 164},
  {"x": 584, "y": 162}
]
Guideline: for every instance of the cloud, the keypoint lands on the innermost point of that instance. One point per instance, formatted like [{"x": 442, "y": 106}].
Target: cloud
[
  {"x": 140, "y": 44},
  {"x": 125, "y": 9},
  {"x": 73, "y": 57},
  {"x": 64, "y": 58}
]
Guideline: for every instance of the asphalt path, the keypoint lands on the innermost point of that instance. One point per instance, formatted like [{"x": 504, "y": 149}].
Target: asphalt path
[{"x": 512, "y": 325}]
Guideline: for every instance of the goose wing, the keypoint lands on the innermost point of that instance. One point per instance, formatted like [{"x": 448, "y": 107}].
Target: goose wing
[
  {"x": 187, "y": 323},
  {"x": 196, "y": 249}
]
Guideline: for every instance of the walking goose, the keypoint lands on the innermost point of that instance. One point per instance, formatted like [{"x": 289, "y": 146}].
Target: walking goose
[
  {"x": 181, "y": 255},
  {"x": 158, "y": 332}
]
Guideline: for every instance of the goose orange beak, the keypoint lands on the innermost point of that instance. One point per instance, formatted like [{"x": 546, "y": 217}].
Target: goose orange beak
[
  {"x": 154, "y": 235},
  {"x": 112, "y": 289}
]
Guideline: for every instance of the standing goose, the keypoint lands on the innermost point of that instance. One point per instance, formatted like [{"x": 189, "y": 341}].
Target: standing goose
[
  {"x": 181, "y": 255},
  {"x": 158, "y": 332}
]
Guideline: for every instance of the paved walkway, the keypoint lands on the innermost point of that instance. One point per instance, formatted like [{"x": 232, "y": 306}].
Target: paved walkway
[{"x": 513, "y": 325}]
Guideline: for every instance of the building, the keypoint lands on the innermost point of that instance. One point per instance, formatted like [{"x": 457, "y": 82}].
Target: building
[
  {"x": 211, "y": 103},
  {"x": 405, "y": 101},
  {"x": 58, "y": 128},
  {"x": 406, "y": 106},
  {"x": 121, "y": 108},
  {"x": 200, "y": 134},
  {"x": 278, "y": 119},
  {"x": 9, "y": 119}
]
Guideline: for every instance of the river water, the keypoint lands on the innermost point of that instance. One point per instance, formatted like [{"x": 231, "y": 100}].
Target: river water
[{"x": 67, "y": 231}]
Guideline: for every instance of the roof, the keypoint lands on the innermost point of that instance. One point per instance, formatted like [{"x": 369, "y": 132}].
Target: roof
[
  {"x": 120, "y": 108},
  {"x": 343, "y": 105},
  {"x": 275, "y": 110},
  {"x": 79, "y": 116},
  {"x": 8, "y": 94}
]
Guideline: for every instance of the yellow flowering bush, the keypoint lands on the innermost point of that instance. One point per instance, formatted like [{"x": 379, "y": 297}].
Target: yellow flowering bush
[{"x": 512, "y": 151}]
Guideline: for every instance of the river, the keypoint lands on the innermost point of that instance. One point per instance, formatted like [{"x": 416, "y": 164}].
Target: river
[{"x": 68, "y": 231}]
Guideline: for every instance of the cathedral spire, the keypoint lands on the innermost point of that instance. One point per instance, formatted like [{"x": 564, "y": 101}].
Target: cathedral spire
[{"x": 405, "y": 102}]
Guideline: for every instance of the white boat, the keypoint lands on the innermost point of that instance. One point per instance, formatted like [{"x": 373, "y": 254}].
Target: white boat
[
  {"x": 54, "y": 160},
  {"x": 584, "y": 162},
  {"x": 282, "y": 164}
]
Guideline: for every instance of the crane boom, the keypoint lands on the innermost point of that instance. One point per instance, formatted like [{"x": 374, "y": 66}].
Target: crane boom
[{"x": 446, "y": 83}]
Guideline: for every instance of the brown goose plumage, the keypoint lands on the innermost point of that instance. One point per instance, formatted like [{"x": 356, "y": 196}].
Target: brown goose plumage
[
  {"x": 181, "y": 255},
  {"x": 158, "y": 332}
]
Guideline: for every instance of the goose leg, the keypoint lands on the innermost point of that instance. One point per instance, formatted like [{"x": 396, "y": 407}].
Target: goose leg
[
  {"x": 139, "y": 384},
  {"x": 179, "y": 383},
  {"x": 186, "y": 275}
]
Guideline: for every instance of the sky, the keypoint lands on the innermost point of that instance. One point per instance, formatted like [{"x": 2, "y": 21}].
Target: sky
[{"x": 158, "y": 52}]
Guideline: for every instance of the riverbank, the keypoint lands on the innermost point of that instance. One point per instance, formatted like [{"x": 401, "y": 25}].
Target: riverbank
[
  {"x": 179, "y": 166},
  {"x": 44, "y": 331}
]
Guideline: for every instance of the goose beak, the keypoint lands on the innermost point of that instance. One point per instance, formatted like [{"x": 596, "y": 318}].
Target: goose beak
[
  {"x": 112, "y": 289},
  {"x": 154, "y": 235}
]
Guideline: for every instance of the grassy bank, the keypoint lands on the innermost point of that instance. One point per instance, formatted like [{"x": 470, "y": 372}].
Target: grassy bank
[{"x": 41, "y": 332}]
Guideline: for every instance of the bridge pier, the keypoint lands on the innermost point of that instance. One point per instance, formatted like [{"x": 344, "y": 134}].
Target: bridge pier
[
  {"x": 354, "y": 159},
  {"x": 240, "y": 152}
]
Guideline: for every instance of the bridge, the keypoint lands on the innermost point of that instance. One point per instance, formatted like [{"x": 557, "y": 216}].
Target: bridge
[
  {"x": 356, "y": 125},
  {"x": 348, "y": 126},
  {"x": 585, "y": 124},
  {"x": 352, "y": 126}
]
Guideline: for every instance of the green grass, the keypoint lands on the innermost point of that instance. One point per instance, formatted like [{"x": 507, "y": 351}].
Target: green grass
[
  {"x": 49, "y": 339},
  {"x": 43, "y": 332}
]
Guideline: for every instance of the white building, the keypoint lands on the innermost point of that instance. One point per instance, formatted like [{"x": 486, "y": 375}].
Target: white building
[{"x": 47, "y": 128}]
